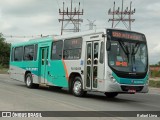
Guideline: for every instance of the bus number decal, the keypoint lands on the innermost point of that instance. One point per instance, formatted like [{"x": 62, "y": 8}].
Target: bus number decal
[
  {"x": 75, "y": 68},
  {"x": 32, "y": 69}
]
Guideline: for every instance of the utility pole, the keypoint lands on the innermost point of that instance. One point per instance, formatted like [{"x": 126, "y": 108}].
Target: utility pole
[
  {"x": 120, "y": 16},
  {"x": 68, "y": 16},
  {"x": 91, "y": 24}
]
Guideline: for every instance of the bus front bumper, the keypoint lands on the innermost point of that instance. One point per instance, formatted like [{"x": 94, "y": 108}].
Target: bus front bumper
[{"x": 125, "y": 88}]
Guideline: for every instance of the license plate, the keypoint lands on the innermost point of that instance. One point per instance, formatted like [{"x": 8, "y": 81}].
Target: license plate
[{"x": 132, "y": 91}]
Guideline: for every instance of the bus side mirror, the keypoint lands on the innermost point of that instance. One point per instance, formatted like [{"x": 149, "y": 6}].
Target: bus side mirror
[{"x": 108, "y": 44}]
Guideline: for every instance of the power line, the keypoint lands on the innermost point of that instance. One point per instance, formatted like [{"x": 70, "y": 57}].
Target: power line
[{"x": 27, "y": 36}]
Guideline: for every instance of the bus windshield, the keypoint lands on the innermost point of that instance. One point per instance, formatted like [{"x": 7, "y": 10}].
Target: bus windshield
[{"x": 129, "y": 57}]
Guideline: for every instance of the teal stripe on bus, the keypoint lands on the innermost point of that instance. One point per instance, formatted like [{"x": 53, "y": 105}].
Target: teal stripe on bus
[{"x": 130, "y": 81}]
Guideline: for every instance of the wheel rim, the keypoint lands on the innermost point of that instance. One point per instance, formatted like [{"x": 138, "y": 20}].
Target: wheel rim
[
  {"x": 77, "y": 87},
  {"x": 28, "y": 81}
]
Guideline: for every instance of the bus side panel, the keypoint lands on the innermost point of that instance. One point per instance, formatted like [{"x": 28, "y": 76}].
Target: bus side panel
[
  {"x": 75, "y": 66},
  {"x": 57, "y": 75},
  {"x": 18, "y": 70}
]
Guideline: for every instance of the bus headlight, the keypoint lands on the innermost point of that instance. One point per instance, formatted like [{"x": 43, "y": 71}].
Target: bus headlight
[{"x": 111, "y": 78}]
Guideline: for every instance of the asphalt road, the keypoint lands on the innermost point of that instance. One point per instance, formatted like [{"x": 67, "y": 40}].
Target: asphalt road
[{"x": 15, "y": 96}]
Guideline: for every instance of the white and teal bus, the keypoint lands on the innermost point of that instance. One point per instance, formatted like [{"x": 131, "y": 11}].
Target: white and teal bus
[{"x": 111, "y": 61}]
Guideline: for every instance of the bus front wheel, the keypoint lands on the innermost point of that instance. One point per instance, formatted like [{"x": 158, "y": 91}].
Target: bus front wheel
[{"x": 78, "y": 87}]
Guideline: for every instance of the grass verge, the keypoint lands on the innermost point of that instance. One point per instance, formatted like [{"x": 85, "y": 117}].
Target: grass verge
[{"x": 153, "y": 83}]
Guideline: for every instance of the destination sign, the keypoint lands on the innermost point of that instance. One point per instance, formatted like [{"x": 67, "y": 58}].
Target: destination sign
[{"x": 126, "y": 35}]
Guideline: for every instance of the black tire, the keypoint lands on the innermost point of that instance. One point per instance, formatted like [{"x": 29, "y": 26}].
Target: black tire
[
  {"x": 77, "y": 88},
  {"x": 29, "y": 81},
  {"x": 70, "y": 86},
  {"x": 111, "y": 95}
]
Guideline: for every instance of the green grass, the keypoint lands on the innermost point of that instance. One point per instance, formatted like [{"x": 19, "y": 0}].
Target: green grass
[
  {"x": 153, "y": 83},
  {"x": 3, "y": 70}
]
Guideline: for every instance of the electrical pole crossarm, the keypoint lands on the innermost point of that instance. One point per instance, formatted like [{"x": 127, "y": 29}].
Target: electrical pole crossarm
[
  {"x": 68, "y": 16},
  {"x": 122, "y": 15}
]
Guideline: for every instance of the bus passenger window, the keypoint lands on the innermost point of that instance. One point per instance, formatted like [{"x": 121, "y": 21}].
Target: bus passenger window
[
  {"x": 96, "y": 48},
  {"x": 57, "y": 50},
  {"x": 35, "y": 52},
  {"x": 29, "y": 53},
  {"x": 12, "y": 54},
  {"x": 89, "y": 53},
  {"x": 72, "y": 49},
  {"x": 18, "y": 53},
  {"x": 101, "y": 53},
  {"x": 43, "y": 56}
]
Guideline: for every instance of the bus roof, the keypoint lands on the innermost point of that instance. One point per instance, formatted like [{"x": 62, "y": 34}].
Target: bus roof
[{"x": 61, "y": 37}]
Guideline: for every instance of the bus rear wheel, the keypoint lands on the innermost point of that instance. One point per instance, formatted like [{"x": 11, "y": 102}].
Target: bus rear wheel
[
  {"x": 111, "y": 94},
  {"x": 29, "y": 81},
  {"x": 77, "y": 88}
]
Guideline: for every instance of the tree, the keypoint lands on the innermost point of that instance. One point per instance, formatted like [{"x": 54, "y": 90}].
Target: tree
[{"x": 4, "y": 51}]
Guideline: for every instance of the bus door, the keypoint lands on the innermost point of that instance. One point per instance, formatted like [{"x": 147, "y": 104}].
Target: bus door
[
  {"x": 43, "y": 64},
  {"x": 92, "y": 61}
]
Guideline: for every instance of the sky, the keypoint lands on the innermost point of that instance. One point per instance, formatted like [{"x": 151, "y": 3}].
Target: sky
[{"x": 36, "y": 17}]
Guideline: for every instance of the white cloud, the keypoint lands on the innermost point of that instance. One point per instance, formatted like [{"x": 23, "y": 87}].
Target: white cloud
[{"x": 35, "y": 17}]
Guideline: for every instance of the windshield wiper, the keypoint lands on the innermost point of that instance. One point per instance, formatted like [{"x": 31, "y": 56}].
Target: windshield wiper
[
  {"x": 125, "y": 48},
  {"x": 135, "y": 48}
]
